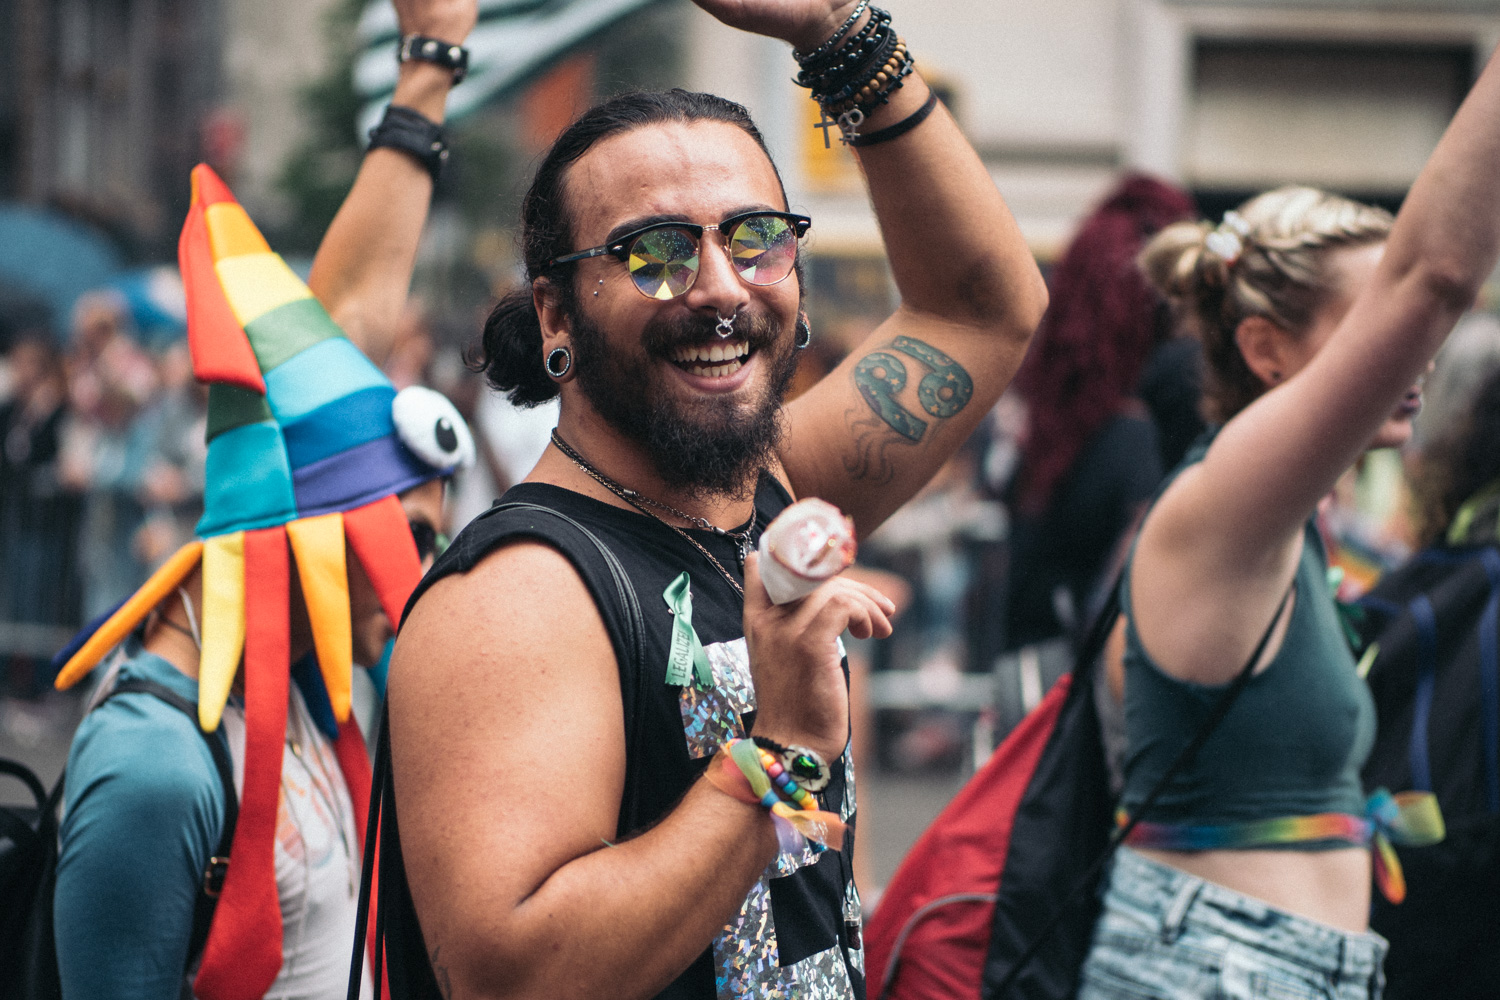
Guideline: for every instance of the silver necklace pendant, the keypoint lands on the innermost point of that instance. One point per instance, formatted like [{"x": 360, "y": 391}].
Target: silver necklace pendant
[{"x": 644, "y": 505}]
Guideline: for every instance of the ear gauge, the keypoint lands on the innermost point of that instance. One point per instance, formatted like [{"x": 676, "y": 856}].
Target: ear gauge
[
  {"x": 804, "y": 332},
  {"x": 559, "y": 363}
]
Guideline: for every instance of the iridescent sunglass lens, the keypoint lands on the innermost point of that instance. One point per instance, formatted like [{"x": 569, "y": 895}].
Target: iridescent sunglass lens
[
  {"x": 763, "y": 248},
  {"x": 664, "y": 262}
]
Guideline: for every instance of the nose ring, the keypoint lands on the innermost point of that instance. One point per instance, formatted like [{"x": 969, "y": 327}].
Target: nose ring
[{"x": 725, "y": 329}]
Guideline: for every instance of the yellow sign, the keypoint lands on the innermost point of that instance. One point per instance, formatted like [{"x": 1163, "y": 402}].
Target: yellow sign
[{"x": 827, "y": 165}]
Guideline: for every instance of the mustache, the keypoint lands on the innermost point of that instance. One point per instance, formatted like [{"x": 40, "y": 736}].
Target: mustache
[{"x": 663, "y": 336}]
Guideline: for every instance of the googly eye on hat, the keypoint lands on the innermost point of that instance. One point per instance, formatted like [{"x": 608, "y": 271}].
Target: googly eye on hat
[{"x": 432, "y": 428}]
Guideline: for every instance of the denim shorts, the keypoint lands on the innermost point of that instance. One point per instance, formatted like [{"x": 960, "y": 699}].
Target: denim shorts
[{"x": 1167, "y": 935}]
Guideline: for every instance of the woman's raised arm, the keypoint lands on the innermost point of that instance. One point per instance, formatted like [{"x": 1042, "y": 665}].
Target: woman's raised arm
[{"x": 1221, "y": 546}]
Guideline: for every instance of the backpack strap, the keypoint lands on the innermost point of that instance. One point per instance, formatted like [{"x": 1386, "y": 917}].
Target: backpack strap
[
  {"x": 383, "y": 785},
  {"x": 1425, "y": 624},
  {"x": 1093, "y": 646},
  {"x": 207, "y": 896}
]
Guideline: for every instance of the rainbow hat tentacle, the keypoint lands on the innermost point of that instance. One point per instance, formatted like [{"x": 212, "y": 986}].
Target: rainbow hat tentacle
[{"x": 308, "y": 446}]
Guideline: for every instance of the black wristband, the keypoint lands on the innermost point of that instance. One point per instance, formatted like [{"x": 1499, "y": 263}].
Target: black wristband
[
  {"x": 413, "y": 133},
  {"x": 454, "y": 58},
  {"x": 902, "y": 127},
  {"x": 766, "y": 743}
]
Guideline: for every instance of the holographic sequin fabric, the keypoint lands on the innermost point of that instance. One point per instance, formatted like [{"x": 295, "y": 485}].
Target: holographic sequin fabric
[
  {"x": 846, "y": 808},
  {"x": 787, "y": 862},
  {"x": 745, "y": 953},
  {"x": 746, "y": 960},
  {"x": 711, "y": 718},
  {"x": 747, "y": 963},
  {"x": 817, "y": 977}
]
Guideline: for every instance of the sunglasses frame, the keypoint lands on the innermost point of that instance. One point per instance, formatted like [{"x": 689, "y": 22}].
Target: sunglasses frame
[{"x": 620, "y": 248}]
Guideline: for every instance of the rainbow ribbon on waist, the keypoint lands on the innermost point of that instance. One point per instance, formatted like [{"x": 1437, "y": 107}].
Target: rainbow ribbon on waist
[{"x": 1411, "y": 819}]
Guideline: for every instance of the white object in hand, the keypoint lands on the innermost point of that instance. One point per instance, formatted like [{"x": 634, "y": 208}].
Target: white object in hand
[{"x": 808, "y": 543}]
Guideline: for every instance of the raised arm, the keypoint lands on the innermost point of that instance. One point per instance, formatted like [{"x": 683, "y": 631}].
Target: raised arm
[
  {"x": 874, "y": 431},
  {"x": 363, "y": 267},
  {"x": 1226, "y": 536}
]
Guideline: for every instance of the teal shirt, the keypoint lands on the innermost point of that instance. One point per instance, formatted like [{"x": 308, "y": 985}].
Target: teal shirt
[
  {"x": 144, "y": 811},
  {"x": 1292, "y": 744}
]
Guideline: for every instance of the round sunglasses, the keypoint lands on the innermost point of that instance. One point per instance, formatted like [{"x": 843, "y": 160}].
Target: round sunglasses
[{"x": 663, "y": 258}]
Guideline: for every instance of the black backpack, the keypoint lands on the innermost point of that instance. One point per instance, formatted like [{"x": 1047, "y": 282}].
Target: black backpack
[
  {"x": 28, "y": 866},
  {"x": 1434, "y": 625}
]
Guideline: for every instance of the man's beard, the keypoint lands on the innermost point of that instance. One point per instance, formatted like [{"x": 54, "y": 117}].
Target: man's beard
[{"x": 708, "y": 446}]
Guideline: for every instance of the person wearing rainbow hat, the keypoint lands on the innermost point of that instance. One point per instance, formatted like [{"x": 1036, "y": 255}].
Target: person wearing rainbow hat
[{"x": 323, "y": 499}]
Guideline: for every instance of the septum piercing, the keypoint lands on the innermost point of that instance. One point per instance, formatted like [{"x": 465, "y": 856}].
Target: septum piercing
[{"x": 725, "y": 329}]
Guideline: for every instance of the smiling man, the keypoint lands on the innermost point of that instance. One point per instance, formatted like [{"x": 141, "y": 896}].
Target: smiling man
[{"x": 567, "y": 828}]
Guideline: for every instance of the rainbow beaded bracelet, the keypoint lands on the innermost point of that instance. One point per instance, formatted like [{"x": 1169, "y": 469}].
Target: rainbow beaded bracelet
[
  {"x": 784, "y": 784},
  {"x": 740, "y": 771}
]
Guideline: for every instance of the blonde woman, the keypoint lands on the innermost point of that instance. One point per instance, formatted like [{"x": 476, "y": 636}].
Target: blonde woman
[{"x": 1319, "y": 316}]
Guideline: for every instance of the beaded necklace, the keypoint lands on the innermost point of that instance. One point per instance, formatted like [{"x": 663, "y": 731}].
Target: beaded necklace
[{"x": 644, "y": 504}]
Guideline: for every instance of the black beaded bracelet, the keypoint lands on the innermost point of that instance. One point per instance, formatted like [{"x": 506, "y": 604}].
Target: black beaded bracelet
[
  {"x": 886, "y": 58},
  {"x": 413, "y": 133},
  {"x": 899, "y": 129},
  {"x": 833, "y": 39},
  {"x": 766, "y": 743},
  {"x": 844, "y": 62}
]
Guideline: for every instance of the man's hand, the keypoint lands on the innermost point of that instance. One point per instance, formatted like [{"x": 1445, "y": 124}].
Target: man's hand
[
  {"x": 800, "y": 694},
  {"x": 805, "y": 23},
  {"x": 446, "y": 20}
]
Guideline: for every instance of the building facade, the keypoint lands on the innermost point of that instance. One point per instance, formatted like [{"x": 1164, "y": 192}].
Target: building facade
[
  {"x": 102, "y": 108},
  {"x": 1225, "y": 98}
]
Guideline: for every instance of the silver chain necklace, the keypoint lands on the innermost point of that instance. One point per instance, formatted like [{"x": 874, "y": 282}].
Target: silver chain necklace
[{"x": 644, "y": 504}]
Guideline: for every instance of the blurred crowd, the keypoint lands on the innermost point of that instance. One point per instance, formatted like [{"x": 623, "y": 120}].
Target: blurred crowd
[
  {"x": 999, "y": 562},
  {"x": 102, "y": 478}
]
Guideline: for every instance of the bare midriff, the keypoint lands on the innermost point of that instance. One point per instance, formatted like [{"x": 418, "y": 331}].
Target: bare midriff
[{"x": 1331, "y": 887}]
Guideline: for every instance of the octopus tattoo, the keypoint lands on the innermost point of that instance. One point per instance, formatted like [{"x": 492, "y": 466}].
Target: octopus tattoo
[{"x": 881, "y": 377}]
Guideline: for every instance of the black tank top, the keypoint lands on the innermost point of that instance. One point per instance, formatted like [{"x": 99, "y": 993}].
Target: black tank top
[{"x": 798, "y": 932}]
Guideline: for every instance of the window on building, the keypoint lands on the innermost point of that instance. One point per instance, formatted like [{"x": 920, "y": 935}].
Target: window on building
[{"x": 1359, "y": 119}]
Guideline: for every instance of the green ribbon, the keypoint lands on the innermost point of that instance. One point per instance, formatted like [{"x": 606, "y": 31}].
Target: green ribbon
[
  {"x": 746, "y": 755},
  {"x": 687, "y": 657}
]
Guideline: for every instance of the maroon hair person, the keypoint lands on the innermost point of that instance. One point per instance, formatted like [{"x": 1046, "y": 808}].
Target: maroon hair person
[{"x": 1090, "y": 454}]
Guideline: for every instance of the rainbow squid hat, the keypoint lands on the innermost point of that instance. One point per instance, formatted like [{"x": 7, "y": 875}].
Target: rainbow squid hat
[{"x": 308, "y": 445}]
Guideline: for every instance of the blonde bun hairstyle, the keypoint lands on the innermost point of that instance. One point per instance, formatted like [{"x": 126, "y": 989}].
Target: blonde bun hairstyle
[{"x": 1273, "y": 258}]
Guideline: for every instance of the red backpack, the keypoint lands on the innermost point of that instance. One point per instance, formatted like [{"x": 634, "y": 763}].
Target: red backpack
[
  {"x": 981, "y": 885},
  {"x": 999, "y": 897}
]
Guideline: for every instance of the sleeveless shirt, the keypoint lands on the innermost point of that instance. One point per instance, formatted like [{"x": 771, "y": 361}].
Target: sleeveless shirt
[
  {"x": 1292, "y": 744},
  {"x": 797, "y": 934}
]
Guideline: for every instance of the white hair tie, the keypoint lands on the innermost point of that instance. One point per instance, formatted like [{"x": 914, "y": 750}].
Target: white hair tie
[{"x": 1228, "y": 240}]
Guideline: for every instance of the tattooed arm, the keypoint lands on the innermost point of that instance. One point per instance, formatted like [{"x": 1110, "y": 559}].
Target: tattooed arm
[{"x": 876, "y": 430}]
